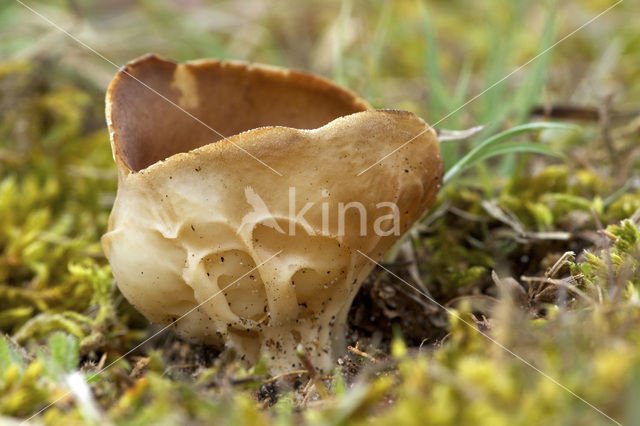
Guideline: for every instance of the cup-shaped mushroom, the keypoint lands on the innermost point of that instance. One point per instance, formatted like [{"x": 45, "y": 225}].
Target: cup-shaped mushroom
[{"x": 255, "y": 239}]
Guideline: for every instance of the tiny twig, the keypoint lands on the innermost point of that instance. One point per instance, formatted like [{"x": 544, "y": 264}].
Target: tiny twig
[
  {"x": 141, "y": 364},
  {"x": 305, "y": 392},
  {"x": 608, "y": 234},
  {"x": 289, "y": 373},
  {"x": 445, "y": 135},
  {"x": 363, "y": 354},
  {"x": 247, "y": 380},
  {"x": 549, "y": 280},
  {"x": 604, "y": 117},
  {"x": 566, "y": 257},
  {"x": 607, "y": 250},
  {"x": 578, "y": 112},
  {"x": 408, "y": 252},
  {"x": 103, "y": 360}
]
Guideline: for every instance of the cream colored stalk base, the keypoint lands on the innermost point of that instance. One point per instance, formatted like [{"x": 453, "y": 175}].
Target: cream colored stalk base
[{"x": 185, "y": 223}]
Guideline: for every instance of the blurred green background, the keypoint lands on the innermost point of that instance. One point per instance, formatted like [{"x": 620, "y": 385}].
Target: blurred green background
[{"x": 427, "y": 56}]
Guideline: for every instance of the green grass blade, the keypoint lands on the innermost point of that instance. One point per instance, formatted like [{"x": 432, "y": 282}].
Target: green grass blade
[
  {"x": 338, "y": 55},
  {"x": 532, "y": 88},
  {"x": 515, "y": 131},
  {"x": 64, "y": 352},
  {"x": 376, "y": 49},
  {"x": 8, "y": 356},
  {"x": 477, "y": 153},
  {"x": 464, "y": 81},
  {"x": 515, "y": 147},
  {"x": 440, "y": 99}
]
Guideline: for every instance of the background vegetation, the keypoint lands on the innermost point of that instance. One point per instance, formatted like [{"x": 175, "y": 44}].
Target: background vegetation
[{"x": 540, "y": 254}]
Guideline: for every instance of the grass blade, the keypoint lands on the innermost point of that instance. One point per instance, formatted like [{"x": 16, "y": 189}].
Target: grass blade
[
  {"x": 480, "y": 152},
  {"x": 513, "y": 147}
]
